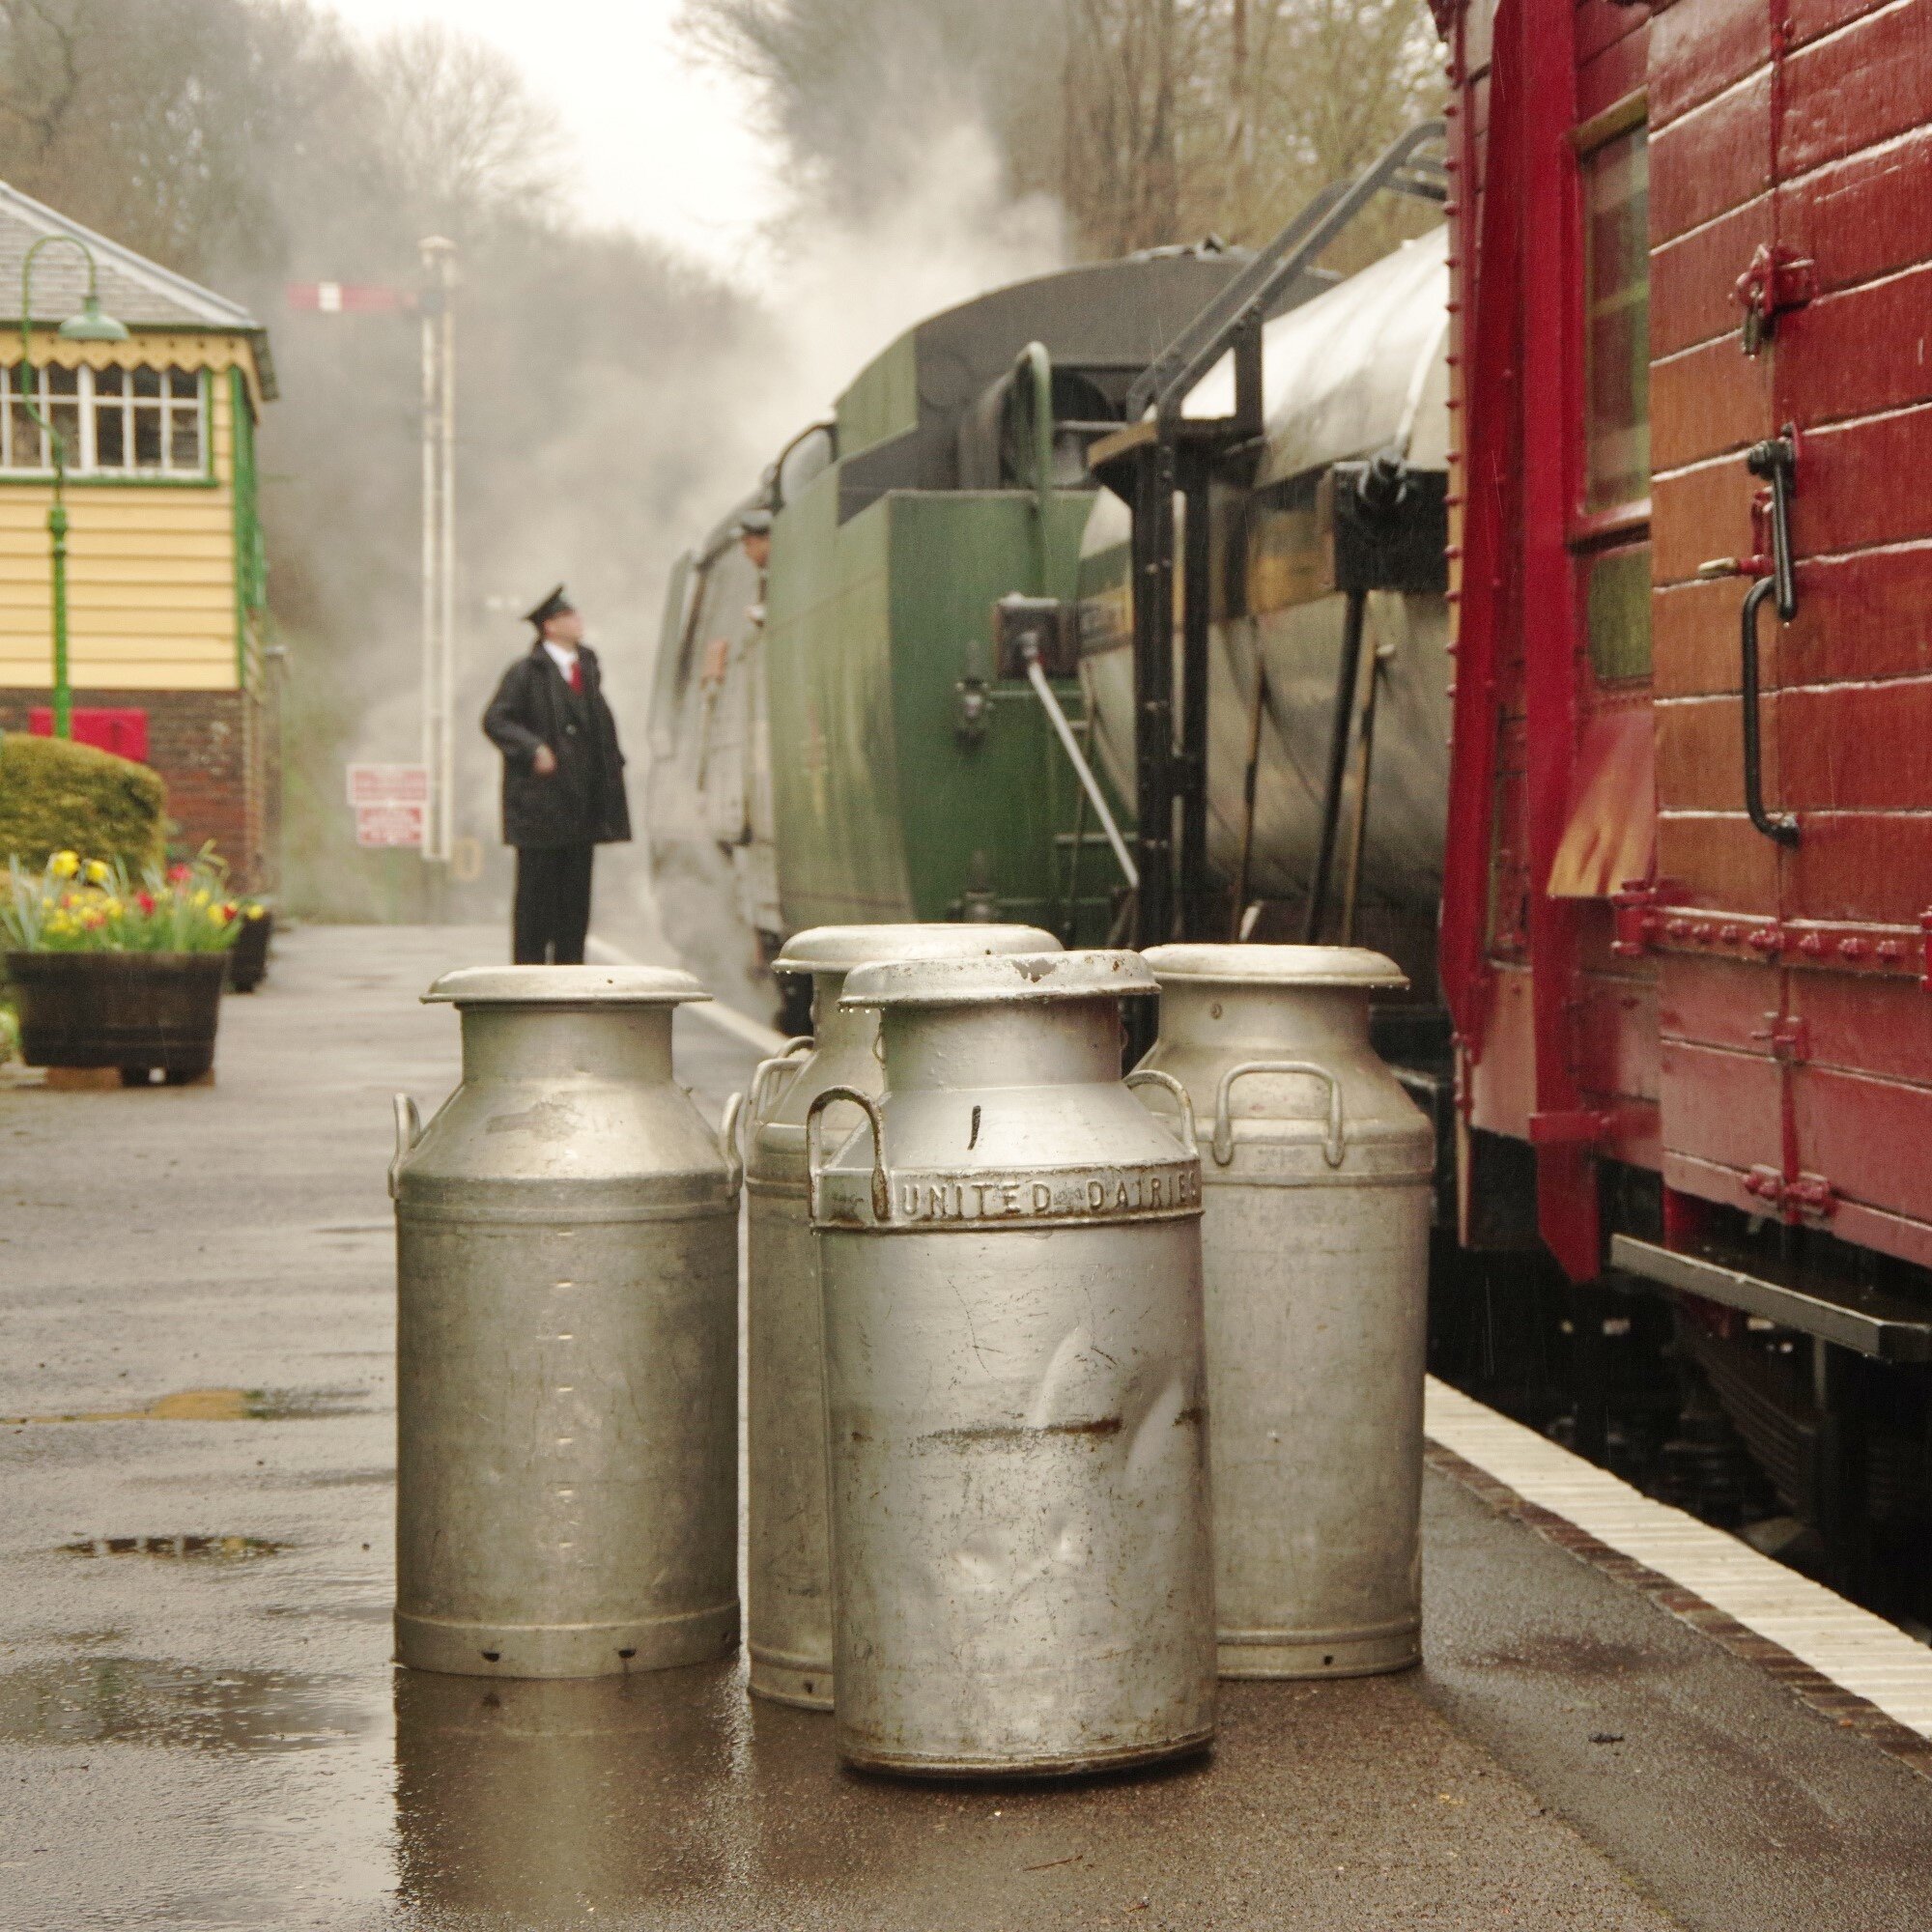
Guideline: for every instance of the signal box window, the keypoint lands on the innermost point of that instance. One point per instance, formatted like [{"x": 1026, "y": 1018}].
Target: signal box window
[
  {"x": 126, "y": 422},
  {"x": 1616, "y": 322}
]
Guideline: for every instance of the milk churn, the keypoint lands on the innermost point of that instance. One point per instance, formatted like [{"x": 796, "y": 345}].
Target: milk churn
[
  {"x": 789, "y": 1606},
  {"x": 566, "y": 1346},
  {"x": 1010, "y": 1253},
  {"x": 1317, "y": 1187}
]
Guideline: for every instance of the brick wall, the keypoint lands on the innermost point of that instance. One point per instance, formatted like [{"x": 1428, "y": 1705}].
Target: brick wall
[{"x": 217, "y": 755}]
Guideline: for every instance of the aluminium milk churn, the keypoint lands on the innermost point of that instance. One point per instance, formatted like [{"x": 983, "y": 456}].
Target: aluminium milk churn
[
  {"x": 1009, "y": 1246},
  {"x": 788, "y": 1602},
  {"x": 1317, "y": 1185},
  {"x": 566, "y": 1286}
]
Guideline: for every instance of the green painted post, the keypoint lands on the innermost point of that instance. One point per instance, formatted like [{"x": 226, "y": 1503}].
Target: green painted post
[
  {"x": 89, "y": 326},
  {"x": 241, "y": 489},
  {"x": 63, "y": 690}
]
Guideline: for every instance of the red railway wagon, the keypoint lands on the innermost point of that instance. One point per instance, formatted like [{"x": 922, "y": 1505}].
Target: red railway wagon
[{"x": 1687, "y": 918}]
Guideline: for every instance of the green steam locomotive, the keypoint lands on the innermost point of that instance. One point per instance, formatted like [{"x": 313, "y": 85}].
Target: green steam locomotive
[
  {"x": 899, "y": 681},
  {"x": 832, "y": 738}
]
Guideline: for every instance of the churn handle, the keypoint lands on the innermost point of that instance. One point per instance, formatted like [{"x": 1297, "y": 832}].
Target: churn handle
[
  {"x": 768, "y": 1071},
  {"x": 1224, "y": 1126},
  {"x": 1142, "y": 1074},
  {"x": 408, "y": 1131},
  {"x": 882, "y": 1193},
  {"x": 728, "y": 1142}
]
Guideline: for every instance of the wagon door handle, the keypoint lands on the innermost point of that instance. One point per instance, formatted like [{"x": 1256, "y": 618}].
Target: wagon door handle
[
  {"x": 1144, "y": 1075},
  {"x": 1332, "y": 1151},
  {"x": 1774, "y": 461},
  {"x": 814, "y": 1149}
]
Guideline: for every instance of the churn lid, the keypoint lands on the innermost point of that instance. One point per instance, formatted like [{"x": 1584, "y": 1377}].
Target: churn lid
[
  {"x": 1022, "y": 978},
  {"x": 838, "y": 948},
  {"x": 566, "y": 986},
  {"x": 1311, "y": 967}
]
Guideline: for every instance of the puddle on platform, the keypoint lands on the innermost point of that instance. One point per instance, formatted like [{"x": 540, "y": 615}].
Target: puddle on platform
[
  {"x": 137, "y": 1700},
  {"x": 216, "y": 1405},
  {"x": 373, "y": 1610},
  {"x": 1575, "y": 1654},
  {"x": 177, "y": 1549}
]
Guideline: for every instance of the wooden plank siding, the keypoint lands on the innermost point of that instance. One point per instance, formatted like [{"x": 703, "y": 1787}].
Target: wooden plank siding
[
  {"x": 1779, "y": 1022},
  {"x": 1823, "y": 148},
  {"x": 150, "y": 567}
]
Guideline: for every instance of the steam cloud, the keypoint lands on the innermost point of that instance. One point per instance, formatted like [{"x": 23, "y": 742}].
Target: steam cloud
[{"x": 641, "y": 455}]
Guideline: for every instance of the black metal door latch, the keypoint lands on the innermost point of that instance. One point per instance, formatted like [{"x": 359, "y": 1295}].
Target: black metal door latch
[{"x": 1775, "y": 579}]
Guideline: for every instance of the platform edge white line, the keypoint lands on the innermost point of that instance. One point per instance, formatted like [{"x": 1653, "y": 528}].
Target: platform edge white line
[{"x": 1857, "y": 1650}]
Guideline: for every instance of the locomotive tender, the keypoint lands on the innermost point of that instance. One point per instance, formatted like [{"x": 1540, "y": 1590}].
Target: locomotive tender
[
  {"x": 835, "y": 741},
  {"x": 1548, "y": 606}
]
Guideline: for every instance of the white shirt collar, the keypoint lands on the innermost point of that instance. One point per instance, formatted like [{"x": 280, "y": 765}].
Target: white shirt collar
[{"x": 561, "y": 658}]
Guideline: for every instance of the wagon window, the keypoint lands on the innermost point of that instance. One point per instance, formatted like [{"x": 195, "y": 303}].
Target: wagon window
[
  {"x": 1616, "y": 612},
  {"x": 1616, "y": 322}
]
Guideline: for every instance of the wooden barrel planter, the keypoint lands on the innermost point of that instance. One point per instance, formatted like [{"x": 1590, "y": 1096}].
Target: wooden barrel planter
[
  {"x": 134, "y": 1010},
  {"x": 249, "y": 956}
]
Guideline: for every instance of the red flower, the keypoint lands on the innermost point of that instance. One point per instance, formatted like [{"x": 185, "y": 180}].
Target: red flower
[
  {"x": 181, "y": 874},
  {"x": 145, "y": 900}
]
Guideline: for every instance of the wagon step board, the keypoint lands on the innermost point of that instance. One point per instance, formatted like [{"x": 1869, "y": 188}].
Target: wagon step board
[{"x": 1890, "y": 1327}]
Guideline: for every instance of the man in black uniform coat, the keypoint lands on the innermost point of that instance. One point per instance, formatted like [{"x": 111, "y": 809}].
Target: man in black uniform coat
[{"x": 563, "y": 782}]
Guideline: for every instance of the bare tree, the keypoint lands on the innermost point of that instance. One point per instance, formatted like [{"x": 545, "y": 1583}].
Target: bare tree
[
  {"x": 1153, "y": 121},
  {"x": 855, "y": 89},
  {"x": 42, "y": 61},
  {"x": 465, "y": 136},
  {"x": 1128, "y": 145}
]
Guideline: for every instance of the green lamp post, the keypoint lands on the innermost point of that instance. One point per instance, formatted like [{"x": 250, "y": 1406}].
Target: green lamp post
[{"x": 91, "y": 325}]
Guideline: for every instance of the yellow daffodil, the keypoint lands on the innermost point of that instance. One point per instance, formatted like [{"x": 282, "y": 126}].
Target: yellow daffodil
[
  {"x": 254, "y": 911},
  {"x": 200, "y": 898},
  {"x": 64, "y": 865},
  {"x": 97, "y": 873}
]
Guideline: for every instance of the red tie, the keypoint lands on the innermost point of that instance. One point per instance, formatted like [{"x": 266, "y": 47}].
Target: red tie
[{"x": 576, "y": 675}]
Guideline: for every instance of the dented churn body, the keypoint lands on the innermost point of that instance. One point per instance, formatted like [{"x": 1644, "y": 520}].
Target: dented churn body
[{"x": 1010, "y": 1259}]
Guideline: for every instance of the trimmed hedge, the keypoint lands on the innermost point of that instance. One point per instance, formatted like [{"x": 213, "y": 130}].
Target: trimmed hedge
[{"x": 59, "y": 796}]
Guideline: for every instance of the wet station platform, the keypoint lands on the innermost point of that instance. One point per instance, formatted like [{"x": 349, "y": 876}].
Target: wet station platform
[{"x": 200, "y": 1726}]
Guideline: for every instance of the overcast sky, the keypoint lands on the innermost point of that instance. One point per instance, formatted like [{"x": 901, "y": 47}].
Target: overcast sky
[{"x": 662, "y": 148}]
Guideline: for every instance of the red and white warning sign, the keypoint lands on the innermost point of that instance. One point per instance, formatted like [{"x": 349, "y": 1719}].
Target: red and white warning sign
[
  {"x": 391, "y": 803},
  {"x": 389, "y": 824},
  {"x": 388, "y": 785}
]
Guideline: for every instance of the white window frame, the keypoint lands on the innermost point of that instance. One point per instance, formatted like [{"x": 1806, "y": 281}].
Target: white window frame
[{"x": 83, "y": 451}]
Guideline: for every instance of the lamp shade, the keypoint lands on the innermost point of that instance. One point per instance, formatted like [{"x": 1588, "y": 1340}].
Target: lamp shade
[{"x": 92, "y": 325}]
